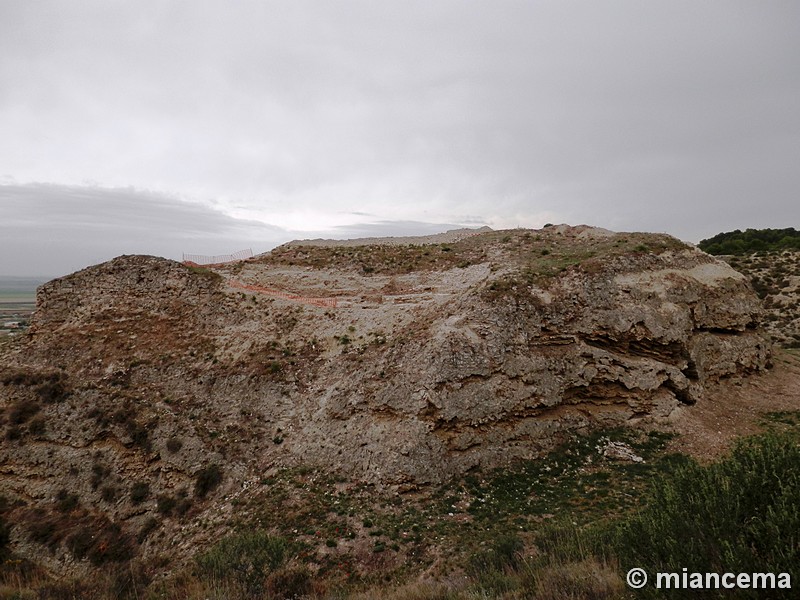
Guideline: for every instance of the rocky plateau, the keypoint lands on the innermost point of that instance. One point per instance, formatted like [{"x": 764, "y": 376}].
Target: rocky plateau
[{"x": 149, "y": 395}]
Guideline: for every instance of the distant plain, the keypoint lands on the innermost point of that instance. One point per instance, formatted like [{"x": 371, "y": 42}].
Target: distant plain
[{"x": 17, "y": 300}]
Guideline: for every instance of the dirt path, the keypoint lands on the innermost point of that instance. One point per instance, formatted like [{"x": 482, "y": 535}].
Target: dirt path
[{"x": 709, "y": 428}]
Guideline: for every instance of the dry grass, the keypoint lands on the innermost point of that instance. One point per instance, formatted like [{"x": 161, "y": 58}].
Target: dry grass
[{"x": 589, "y": 579}]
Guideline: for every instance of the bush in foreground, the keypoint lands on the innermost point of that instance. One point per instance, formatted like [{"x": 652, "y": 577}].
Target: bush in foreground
[
  {"x": 739, "y": 515},
  {"x": 245, "y": 559}
]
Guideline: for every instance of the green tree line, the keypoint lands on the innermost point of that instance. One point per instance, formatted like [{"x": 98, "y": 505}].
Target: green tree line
[{"x": 752, "y": 240}]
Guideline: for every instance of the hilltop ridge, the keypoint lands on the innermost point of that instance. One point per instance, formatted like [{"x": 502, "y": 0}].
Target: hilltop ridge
[{"x": 452, "y": 235}]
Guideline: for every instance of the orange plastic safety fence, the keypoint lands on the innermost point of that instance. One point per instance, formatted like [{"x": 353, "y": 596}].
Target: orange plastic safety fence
[
  {"x": 322, "y": 302},
  {"x": 220, "y": 259}
]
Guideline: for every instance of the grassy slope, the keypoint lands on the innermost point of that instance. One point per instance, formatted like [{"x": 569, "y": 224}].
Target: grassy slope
[{"x": 539, "y": 529}]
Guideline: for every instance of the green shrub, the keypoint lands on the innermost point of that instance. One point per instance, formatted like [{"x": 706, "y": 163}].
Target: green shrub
[
  {"x": 165, "y": 504},
  {"x": 37, "y": 426},
  {"x": 66, "y": 502},
  {"x": 504, "y": 554},
  {"x": 108, "y": 493},
  {"x": 147, "y": 528},
  {"x": 246, "y": 558},
  {"x": 738, "y": 515},
  {"x": 5, "y": 536},
  {"x": 752, "y": 240},
  {"x": 174, "y": 445},
  {"x": 207, "y": 480},
  {"x": 140, "y": 491},
  {"x": 22, "y": 411}
]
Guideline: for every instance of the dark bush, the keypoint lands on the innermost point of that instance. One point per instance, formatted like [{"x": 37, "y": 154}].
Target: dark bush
[
  {"x": 127, "y": 582},
  {"x": 111, "y": 544},
  {"x": 139, "y": 435},
  {"x": 80, "y": 542},
  {"x": 22, "y": 411},
  {"x": 124, "y": 415},
  {"x": 66, "y": 590},
  {"x": 101, "y": 417},
  {"x": 37, "y": 426},
  {"x": 50, "y": 387},
  {"x": 165, "y": 504},
  {"x": 99, "y": 474},
  {"x": 147, "y": 528},
  {"x": 289, "y": 582},
  {"x": 43, "y": 529},
  {"x": 739, "y": 515},
  {"x": 52, "y": 391},
  {"x": 207, "y": 480},
  {"x": 504, "y": 553},
  {"x": 182, "y": 505},
  {"x": 140, "y": 491},
  {"x": 5, "y": 536},
  {"x": 20, "y": 378},
  {"x": 109, "y": 493},
  {"x": 66, "y": 502},
  {"x": 174, "y": 445}
]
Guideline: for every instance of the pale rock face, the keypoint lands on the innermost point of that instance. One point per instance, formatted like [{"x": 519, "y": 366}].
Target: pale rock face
[
  {"x": 492, "y": 379},
  {"x": 417, "y": 374}
]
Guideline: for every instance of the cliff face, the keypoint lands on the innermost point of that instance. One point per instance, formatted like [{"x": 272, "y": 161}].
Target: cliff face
[{"x": 421, "y": 362}]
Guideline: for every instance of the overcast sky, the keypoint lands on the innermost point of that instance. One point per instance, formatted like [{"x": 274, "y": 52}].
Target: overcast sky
[{"x": 206, "y": 127}]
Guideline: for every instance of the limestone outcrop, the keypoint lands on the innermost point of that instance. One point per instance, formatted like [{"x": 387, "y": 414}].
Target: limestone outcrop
[{"x": 431, "y": 359}]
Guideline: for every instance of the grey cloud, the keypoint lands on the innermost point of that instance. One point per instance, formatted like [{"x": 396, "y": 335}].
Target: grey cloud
[
  {"x": 676, "y": 116},
  {"x": 391, "y": 229},
  {"x": 52, "y": 229}
]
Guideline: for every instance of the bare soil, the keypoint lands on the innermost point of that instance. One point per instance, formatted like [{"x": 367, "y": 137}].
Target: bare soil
[{"x": 738, "y": 407}]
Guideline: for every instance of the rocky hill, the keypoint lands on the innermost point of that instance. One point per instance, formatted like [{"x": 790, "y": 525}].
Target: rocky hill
[
  {"x": 775, "y": 276},
  {"x": 149, "y": 398}
]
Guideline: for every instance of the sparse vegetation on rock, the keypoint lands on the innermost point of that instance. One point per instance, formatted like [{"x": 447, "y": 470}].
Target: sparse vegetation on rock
[{"x": 775, "y": 276}]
